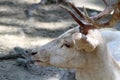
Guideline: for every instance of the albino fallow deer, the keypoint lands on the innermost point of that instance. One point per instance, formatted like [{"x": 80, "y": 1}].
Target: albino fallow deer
[{"x": 85, "y": 47}]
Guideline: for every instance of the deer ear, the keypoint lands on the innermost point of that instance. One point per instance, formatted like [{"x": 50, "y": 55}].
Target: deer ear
[{"x": 84, "y": 42}]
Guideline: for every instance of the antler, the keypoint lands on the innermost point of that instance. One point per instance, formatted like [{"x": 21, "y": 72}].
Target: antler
[
  {"x": 86, "y": 22},
  {"x": 106, "y": 11},
  {"x": 115, "y": 8},
  {"x": 84, "y": 26}
]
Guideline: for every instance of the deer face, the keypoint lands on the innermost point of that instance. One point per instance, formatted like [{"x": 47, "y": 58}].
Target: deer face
[{"x": 69, "y": 50}]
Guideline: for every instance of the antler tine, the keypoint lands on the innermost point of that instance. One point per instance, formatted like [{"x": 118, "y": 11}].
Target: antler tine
[
  {"x": 105, "y": 12},
  {"x": 78, "y": 11},
  {"x": 106, "y": 3},
  {"x": 73, "y": 16},
  {"x": 115, "y": 18},
  {"x": 109, "y": 8},
  {"x": 87, "y": 18}
]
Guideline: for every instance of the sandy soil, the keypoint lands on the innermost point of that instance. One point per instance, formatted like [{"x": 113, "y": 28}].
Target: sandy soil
[{"x": 47, "y": 22}]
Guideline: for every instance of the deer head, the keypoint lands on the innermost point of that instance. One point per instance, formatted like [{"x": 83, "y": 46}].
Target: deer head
[
  {"x": 69, "y": 50},
  {"x": 73, "y": 48}
]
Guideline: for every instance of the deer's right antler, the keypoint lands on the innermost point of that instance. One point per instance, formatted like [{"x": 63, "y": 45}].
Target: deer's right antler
[
  {"x": 115, "y": 8},
  {"x": 87, "y": 22}
]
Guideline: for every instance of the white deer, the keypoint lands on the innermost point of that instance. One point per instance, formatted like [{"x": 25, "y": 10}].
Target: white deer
[{"x": 84, "y": 48}]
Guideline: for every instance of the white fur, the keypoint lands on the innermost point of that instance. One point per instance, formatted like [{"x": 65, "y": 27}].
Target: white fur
[{"x": 96, "y": 64}]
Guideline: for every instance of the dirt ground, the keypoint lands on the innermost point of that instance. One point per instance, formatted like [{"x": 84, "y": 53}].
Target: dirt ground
[{"x": 46, "y": 23}]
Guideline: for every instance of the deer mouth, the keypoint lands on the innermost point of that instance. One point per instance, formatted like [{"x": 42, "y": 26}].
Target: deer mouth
[{"x": 38, "y": 61}]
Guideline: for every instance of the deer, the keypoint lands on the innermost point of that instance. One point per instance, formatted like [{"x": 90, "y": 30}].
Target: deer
[{"x": 84, "y": 47}]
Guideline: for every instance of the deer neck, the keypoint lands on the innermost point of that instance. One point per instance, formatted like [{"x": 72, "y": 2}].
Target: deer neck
[{"x": 100, "y": 67}]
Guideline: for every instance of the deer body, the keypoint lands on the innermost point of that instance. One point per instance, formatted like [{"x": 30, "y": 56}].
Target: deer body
[
  {"x": 103, "y": 66},
  {"x": 107, "y": 33}
]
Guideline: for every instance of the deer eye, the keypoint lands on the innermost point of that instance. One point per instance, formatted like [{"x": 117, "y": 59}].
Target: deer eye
[{"x": 67, "y": 45}]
